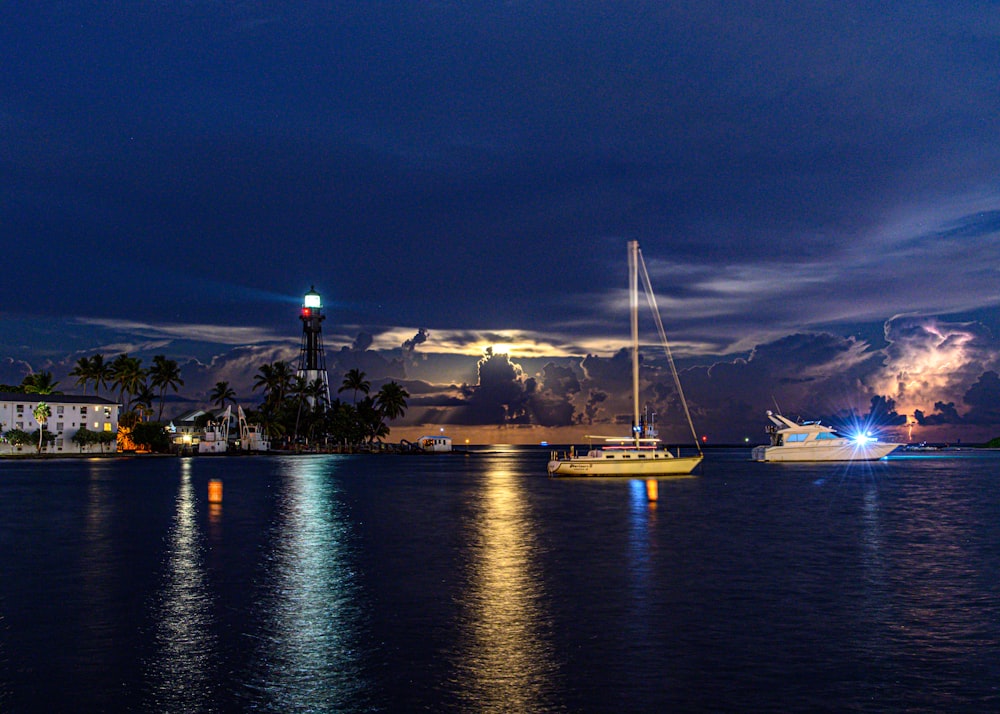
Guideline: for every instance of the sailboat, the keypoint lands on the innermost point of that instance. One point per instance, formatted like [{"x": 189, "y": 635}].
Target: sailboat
[{"x": 640, "y": 454}]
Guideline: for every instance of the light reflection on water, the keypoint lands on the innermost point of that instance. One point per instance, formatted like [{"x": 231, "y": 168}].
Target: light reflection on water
[
  {"x": 182, "y": 674},
  {"x": 504, "y": 655},
  {"x": 307, "y": 654},
  {"x": 98, "y": 558},
  {"x": 478, "y": 584},
  {"x": 944, "y": 559}
]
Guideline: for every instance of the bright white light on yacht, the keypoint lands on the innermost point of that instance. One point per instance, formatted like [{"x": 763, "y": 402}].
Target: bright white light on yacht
[{"x": 860, "y": 439}]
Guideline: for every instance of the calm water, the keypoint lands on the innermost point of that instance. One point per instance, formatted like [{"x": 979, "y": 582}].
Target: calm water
[{"x": 475, "y": 583}]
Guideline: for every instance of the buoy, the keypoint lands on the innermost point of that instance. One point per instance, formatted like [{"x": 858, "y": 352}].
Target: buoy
[
  {"x": 215, "y": 491},
  {"x": 652, "y": 489}
]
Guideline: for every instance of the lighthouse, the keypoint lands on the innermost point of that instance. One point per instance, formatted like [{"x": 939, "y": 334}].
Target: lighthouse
[{"x": 312, "y": 362}]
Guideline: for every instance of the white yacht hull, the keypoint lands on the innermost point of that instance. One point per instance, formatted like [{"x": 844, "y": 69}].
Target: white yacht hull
[
  {"x": 663, "y": 464},
  {"x": 812, "y": 451}
]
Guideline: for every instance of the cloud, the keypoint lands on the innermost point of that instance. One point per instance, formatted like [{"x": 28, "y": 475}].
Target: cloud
[
  {"x": 982, "y": 400},
  {"x": 238, "y": 366},
  {"x": 13, "y": 371},
  {"x": 499, "y": 397},
  {"x": 362, "y": 342},
  {"x": 550, "y": 398},
  {"x": 411, "y": 344},
  {"x": 198, "y": 332},
  {"x": 931, "y": 360}
]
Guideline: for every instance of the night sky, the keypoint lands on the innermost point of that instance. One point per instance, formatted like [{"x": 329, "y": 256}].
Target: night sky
[{"x": 815, "y": 187}]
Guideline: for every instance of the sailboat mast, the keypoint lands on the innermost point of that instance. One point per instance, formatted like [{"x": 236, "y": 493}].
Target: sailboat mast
[{"x": 633, "y": 297}]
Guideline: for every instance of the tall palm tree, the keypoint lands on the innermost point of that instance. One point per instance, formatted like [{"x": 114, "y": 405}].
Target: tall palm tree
[
  {"x": 264, "y": 379},
  {"x": 83, "y": 372},
  {"x": 296, "y": 390},
  {"x": 163, "y": 375},
  {"x": 42, "y": 412},
  {"x": 129, "y": 375},
  {"x": 355, "y": 380},
  {"x": 284, "y": 376},
  {"x": 101, "y": 373},
  {"x": 391, "y": 400},
  {"x": 39, "y": 383},
  {"x": 222, "y": 393}
]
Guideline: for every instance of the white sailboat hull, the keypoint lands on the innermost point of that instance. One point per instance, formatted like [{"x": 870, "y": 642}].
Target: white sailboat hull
[
  {"x": 813, "y": 451},
  {"x": 631, "y": 466}
]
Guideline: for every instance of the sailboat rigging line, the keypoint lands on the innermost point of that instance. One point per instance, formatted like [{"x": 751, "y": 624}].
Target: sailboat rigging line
[{"x": 651, "y": 298}]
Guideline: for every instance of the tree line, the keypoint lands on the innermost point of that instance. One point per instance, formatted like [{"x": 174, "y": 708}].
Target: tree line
[{"x": 294, "y": 411}]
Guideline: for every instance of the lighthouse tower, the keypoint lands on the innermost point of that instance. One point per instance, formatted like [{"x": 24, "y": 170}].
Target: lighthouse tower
[{"x": 312, "y": 362}]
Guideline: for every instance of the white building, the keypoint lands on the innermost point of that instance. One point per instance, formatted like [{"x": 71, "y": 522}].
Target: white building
[
  {"x": 435, "y": 443},
  {"x": 70, "y": 413},
  {"x": 187, "y": 431}
]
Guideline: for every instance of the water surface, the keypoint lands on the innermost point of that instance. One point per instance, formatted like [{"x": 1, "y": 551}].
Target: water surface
[{"x": 476, "y": 583}]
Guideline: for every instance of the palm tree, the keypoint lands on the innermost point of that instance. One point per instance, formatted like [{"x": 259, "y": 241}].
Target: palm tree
[
  {"x": 371, "y": 420},
  {"x": 391, "y": 400},
  {"x": 316, "y": 392},
  {"x": 129, "y": 375},
  {"x": 355, "y": 380},
  {"x": 298, "y": 390},
  {"x": 163, "y": 375},
  {"x": 222, "y": 393},
  {"x": 264, "y": 379},
  {"x": 83, "y": 372},
  {"x": 276, "y": 380},
  {"x": 39, "y": 383},
  {"x": 143, "y": 401},
  {"x": 284, "y": 375},
  {"x": 42, "y": 412},
  {"x": 101, "y": 373}
]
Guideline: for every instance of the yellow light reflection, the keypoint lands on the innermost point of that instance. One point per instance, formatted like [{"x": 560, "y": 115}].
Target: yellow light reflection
[
  {"x": 506, "y": 660},
  {"x": 98, "y": 557}
]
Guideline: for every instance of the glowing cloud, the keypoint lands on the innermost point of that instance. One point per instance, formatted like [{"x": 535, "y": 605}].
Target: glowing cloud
[{"x": 930, "y": 361}]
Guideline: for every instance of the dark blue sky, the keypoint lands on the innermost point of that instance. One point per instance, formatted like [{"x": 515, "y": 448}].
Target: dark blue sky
[{"x": 814, "y": 187}]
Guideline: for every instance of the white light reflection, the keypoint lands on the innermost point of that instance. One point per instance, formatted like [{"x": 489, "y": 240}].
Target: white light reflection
[
  {"x": 875, "y": 612},
  {"x": 505, "y": 661},
  {"x": 182, "y": 673},
  {"x": 308, "y": 660}
]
